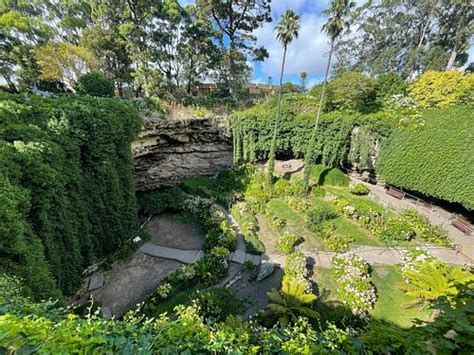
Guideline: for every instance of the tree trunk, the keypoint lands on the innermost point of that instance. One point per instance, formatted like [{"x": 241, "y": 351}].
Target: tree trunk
[
  {"x": 232, "y": 67},
  {"x": 271, "y": 157},
  {"x": 452, "y": 59},
  {"x": 120, "y": 89},
  {"x": 10, "y": 84},
  {"x": 309, "y": 150}
]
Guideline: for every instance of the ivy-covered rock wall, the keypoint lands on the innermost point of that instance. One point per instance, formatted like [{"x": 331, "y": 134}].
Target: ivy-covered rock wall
[
  {"x": 66, "y": 186},
  {"x": 436, "y": 159},
  {"x": 428, "y": 151},
  {"x": 343, "y": 138}
]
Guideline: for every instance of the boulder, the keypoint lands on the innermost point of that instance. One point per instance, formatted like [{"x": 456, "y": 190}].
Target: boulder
[{"x": 265, "y": 269}]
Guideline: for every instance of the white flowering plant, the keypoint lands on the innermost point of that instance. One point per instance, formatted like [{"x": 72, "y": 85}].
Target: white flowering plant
[{"x": 355, "y": 288}]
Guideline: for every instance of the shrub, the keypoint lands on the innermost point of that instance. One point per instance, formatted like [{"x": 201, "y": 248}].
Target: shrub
[
  {"x": 390, "y": 84},
  {"x": 353, "y": 283},
  {"x": 424, "y": 230},
  {"x": 336, "y": 177},
  {"x": 257, "y": 193},
  {"x": 288, "y": 242},
  {"x": 359, "y": 189},
  {"x": 338, "y": 243},
  {"x": 396, "y": 229},
  {"x": 282, "y": 188},
  {"x": 218, "y": 303},
  {"x": 442, "y": 89},
  {"x": 95, "y": 84},
  {"x": 351, "y": 91},
  {"x": 164, "y": 289},
  {"x": 295, "y": 266},
  {"x": 318, "y": 191},
  {"x": 319, "y": 214}
]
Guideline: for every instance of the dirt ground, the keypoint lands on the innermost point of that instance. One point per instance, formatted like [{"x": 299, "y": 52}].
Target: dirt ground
[
  {"x": 171, "y": 231},
  {"x": 131, "y": 280},
  {"x": 255, "y": 292}
]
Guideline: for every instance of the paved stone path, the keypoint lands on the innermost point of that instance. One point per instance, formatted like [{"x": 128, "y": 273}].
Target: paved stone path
[
  {"x": 436, "y": 216},
  {"x": 181, "y": 255},
  {"x": 188, "y": 256},
  {"x": 373, "y": 255}
]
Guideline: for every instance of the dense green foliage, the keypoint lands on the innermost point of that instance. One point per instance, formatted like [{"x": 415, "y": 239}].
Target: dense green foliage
[
  {"x": 443, "y": 89},
  {"x": 252, "y": 131},
  {"x": 95, "y": 84},
  {"x": 351, "y": 91},
  {"x": 435, "y": 159},
  {"x": 66, "y": 186}
]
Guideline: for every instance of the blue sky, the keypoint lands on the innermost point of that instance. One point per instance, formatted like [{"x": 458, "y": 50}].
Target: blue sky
[{"x": 307, "y": 53}]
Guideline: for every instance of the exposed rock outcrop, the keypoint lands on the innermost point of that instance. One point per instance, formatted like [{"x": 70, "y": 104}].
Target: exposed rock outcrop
[{"x": 166, "y": 151}]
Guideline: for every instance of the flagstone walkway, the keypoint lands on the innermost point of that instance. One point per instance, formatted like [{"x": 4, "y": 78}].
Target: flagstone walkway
[{"x": 373, "y": 255}]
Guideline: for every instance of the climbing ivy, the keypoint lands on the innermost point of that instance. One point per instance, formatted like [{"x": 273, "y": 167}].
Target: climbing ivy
[
  {"x": 436, "y": 159},
  {"x": 252, "y": 133},
  {"x": 66, "y": 186}
]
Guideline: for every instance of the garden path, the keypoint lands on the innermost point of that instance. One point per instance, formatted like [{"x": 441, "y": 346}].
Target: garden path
[
  {"x": 188, "y": 256},
  {"x": 436, "y": 216},
  {"x": 373, "y": 255}
]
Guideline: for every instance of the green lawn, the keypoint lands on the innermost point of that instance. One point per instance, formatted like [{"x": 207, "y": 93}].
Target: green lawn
[
  {"x": 391, "y": 305},
  {"x": 327, "y": 286},
  {"x": 297, "y": 224}
]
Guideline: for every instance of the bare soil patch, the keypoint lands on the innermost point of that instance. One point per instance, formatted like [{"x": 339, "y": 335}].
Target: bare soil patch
[
  {"x": 255, "y": 292},
  {"x": 172, "y": 231},
  {"x": 131, "y": 280}
]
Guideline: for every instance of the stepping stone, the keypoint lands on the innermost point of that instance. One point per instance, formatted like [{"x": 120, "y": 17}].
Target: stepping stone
[
  {"x": 254, "y": 259},
  {"x": 238, "y": 256},
  {"x": 95, "y": 282}
]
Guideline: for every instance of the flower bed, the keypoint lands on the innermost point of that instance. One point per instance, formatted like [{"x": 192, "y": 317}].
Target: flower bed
[{"x": 355, "y": 288}]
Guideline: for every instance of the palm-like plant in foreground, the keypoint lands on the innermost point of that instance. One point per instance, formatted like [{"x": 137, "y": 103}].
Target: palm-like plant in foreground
[{"x": 292, "y": 301}]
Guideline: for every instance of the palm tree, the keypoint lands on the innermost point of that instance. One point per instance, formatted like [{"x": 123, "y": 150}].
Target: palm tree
[
  {"x": 291, "y": 301},
  {"x": 287, "y": 30},
  {"x": 303, "y": 76},
  {"x": 336, "y": 23}
]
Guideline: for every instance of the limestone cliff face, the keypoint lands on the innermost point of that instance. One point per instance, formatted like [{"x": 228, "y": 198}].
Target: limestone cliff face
[{"x": 166, "y": 151}]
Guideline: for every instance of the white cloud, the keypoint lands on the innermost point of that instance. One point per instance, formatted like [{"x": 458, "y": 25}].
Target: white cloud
[{"x": 307, "y": 53}]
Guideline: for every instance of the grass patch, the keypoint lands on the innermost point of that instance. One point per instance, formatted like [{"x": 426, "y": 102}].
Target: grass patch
[
  {"x": 391, "y": 301},
  {"x": 295, "y": 224},
  {"x": 327, "y": 286}
]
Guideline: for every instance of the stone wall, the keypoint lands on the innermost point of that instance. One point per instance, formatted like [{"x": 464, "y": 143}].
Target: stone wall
[{"x": 166, "y": 151}]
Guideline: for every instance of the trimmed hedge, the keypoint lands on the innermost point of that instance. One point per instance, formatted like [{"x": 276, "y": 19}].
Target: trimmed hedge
[
  {"x": 66, "y": 186},
  {"x": 436, "y": 159}
]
